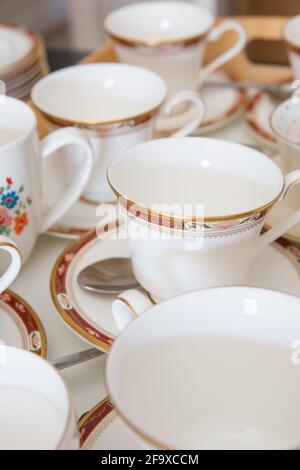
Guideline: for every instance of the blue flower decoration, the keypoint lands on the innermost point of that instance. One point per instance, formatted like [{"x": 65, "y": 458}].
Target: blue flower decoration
[{"x": 9, "y": 200}]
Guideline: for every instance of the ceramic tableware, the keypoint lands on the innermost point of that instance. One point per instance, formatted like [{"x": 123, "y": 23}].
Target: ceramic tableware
[
  {"x": 291, "y": 35},
  {"x": 89, "y": 315},
  {"x": 36, "y": 406},
  {"x": 9, "y": 269},
  {"x": 21, "y": 185},
  {"x": 170, "y": 36},
  {"x": 101, "y": 429},
  {"x": 117, "y": 107},
  {"x": 257, "y": 117},
  {"x": 229, "y": 356},
  {"x": 23, "y": 60},
  {"x": 20, "y": 325},
  {"x": 194, "y": 211},
  {"x": 285, "y": 124},
  {"x": 222, "y": 104}
]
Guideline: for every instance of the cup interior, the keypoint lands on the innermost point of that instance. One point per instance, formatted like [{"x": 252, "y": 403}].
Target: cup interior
[
  {"x": 99, "y": 93},
  {"x": 26, "y": 377},
  {"x": 213, "y": 369},
  {"x": 177, "y": 176},
  {"x": 291, "y": 31},
  {"x": 285, "y": 122},
  {"x": 159, "y": 21},
  {"x": 16, "y": 120}
]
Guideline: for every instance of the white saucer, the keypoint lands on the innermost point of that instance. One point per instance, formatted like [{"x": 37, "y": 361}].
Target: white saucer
[
  {"x": 20, "y": 326},
  {"x": 257, "y": 118},
  {"x": 284, "y": 209},
  {"x": 222, "y": 106},
  {"x": 15, "y": 45},
  {"x": 89, "y": 314}
]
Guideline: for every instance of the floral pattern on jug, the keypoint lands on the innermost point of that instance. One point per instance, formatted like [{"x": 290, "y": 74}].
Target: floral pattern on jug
[{"x": 13, "y": 209}]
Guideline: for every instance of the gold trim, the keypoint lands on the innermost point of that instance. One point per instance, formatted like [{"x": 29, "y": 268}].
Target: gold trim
[
  {"x": 125, "y": 301},
  {"x": 37, "y": 320},
  {"x": 176, "y": 218},
  {"x": 89, "y": 413},
  {"x": 81, "y": 332},
  {"x": 156, "y": 44}
]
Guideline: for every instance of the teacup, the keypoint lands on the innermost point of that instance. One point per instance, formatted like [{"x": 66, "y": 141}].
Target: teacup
[
  {"x": 285, "y": 123},
  {"x": 36, "y": 405},
  {"x": 10, "y": 272},
  {"x": 116, "y": 104},
  {"x": 21, "y": 186},
  {"x": 195, "y": 209},
  {"x": 291, "y": 35},
  {"x": 170, "y": 39},
  {"x": 212, "y": 369}
]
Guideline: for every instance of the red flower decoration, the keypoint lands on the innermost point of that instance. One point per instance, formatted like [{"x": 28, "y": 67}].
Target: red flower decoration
[{"x": 9, "y": 181}]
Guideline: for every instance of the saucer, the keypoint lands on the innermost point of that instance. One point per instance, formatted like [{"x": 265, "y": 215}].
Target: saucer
[
  {"x": 257, "y": 116},
  {"x": 284, "y": 209},
  {"x": 102, "y": 429},
  {"x": 223, "y": 105},
  {"x": 79, "y": 220},
  {"x": 20, "y": 326},
  {"x": 89, "y": 314}
]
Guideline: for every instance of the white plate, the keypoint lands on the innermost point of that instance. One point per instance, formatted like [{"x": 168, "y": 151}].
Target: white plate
[
  {"x": 89, "y": 314},
  {"x": 222, "y": 106},
  {"x": 15, "y": 45},
  {"x": 102, "y": 429},
  {"x": 257, "y": 118},
  {"x": 20, "y": 326}
]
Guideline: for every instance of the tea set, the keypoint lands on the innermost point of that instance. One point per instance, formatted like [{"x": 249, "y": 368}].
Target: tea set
[{"x": 187, "y": 284}]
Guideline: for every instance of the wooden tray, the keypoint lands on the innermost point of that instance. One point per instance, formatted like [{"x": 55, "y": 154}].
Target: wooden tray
[{"x": 240, "y": 68}]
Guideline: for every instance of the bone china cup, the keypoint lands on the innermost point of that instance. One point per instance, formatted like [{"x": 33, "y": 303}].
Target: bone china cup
[
  {"x": 285, "y": 123},
  {"x": 195, "y": 208},
  {"x": 21, "y": 186},
  {"x": 8, "y": 274},
  {"x": 170, "y": 39},
  {"x": 212, "y": 369},
  {"x": 35, "y": 404},
  {"x": 116, "y": 104},
  {"x": 291, "y": 35}
]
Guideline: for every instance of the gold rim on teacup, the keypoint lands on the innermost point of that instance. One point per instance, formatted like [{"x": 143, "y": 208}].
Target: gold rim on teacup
[
  {"x": 108, "y": 125},
  {"x": 156, "y": 44},
  {"x": 178, "y": 222}
]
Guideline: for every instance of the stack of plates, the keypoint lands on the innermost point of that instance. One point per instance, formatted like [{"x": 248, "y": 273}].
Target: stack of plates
[{"x": 23, "y": 60}]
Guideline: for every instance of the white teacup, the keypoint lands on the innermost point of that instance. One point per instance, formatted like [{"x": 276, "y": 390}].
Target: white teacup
[
  {"x": 291, "y": 35},
  {"x": 35, "y": 404},
  {"x": 213, "y": 369},
  {"x": 10, "y": 272},
  {"x": 195, "y": 209},
  {"x": 285, "y": 123},
  {"x": 116, "y": 104},
  {"x": 170, "y": 39},
  {"x": 21, "y": 186}
]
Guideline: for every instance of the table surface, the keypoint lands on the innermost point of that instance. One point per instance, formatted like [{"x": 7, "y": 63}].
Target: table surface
[{"x": 86, "y": 380}]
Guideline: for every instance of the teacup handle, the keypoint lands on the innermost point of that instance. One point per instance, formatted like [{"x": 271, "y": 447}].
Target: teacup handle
[
  {"x": 50, "y": 144},
  {"x": 15, "y": 263},
  {"x": 180, "y": 98},
  {"x": 129, "y": 305},
  {"x": 287, "y": 223},
  {"x": 214, "y": 35}
]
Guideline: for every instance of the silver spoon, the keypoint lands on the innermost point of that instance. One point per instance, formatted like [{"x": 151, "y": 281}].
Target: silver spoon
[
  {"x": 278, "y": 91},
  {"x": 109, "y": 276}
]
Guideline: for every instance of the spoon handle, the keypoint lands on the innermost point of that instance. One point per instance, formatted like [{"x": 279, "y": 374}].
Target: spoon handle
[{"x": 76, "y": 358}]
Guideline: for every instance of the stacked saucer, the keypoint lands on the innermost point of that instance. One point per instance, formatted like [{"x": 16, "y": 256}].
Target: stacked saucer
[{"x": 23, "y": 60}]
